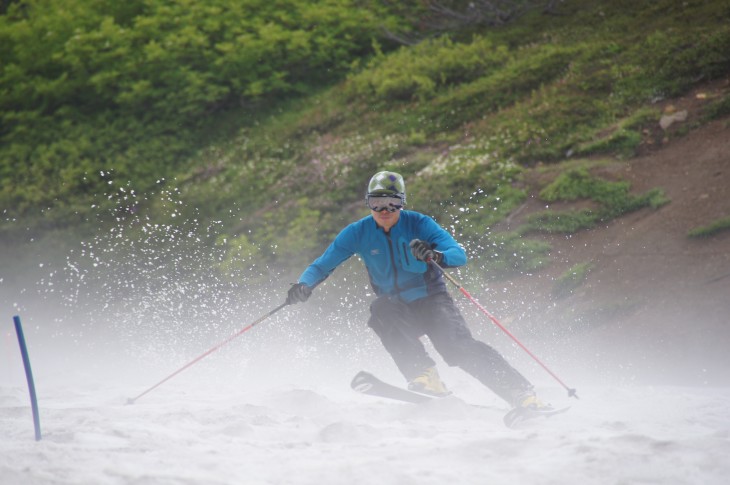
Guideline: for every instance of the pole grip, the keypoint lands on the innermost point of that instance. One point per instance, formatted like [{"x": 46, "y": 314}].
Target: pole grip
[{"x": 29, "y": 377}]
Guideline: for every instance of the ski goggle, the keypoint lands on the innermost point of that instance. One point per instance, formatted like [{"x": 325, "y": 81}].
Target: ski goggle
[{"x": 384, "y": 202}]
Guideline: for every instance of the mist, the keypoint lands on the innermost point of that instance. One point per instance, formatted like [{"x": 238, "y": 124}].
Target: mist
[{"x": 109, "y": 316}]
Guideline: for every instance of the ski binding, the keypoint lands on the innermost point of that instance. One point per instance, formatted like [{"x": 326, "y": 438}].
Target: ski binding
[{"x": 367, "y": 383}]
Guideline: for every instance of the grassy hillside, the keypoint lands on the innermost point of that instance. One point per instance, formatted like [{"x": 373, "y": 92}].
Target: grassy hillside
[
  {"x": 468, "y": 118},
  {"x": 93, "y": 89}
]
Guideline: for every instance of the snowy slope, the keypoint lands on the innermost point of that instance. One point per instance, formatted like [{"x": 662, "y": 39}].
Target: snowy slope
[{"x": 216, "y": 425}]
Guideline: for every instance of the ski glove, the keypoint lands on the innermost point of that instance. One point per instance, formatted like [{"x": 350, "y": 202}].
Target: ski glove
[
  {"x": 299, "y": 292},
  {"x": 422, "y": 251}
]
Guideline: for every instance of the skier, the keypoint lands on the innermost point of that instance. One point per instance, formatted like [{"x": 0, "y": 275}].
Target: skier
[{"x": 411, "y": 296}]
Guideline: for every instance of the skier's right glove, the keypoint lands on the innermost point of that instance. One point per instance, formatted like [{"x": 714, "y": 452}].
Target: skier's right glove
[
  {"x": 299, "y": 292},
  {"x": 423, "y": 251}
]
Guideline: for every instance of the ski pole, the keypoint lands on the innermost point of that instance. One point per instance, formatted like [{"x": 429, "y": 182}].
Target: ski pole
[
  {"x": 209, "y": 351},
  {"x": 571, "y": 391}
]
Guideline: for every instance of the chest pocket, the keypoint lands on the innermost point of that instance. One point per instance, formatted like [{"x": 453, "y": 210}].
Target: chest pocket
[{"x": 407, "y": 260}]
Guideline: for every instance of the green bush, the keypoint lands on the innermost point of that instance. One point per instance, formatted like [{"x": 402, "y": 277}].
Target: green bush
[
  {"x": 718, "y": 108},
  {"x": 571, "y": 185},
  {"x": 566, "y": 283},
  {"x": 578, "y": 183},
  {"x": 716, "y": 227},
  {"x": 612, "y": 198},
  {"x": 525, "y": 71},
  {"x": 137, "y": 87},
  {"x": 420, "y": 71},
  {"x": 623, "y": 139},
  {"x": 668, "y": 61},
  {"x": 560, "y": 222}
]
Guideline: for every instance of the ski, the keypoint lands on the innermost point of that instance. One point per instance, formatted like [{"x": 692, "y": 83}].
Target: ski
[
  {"x": 519, "y": 415},
  {"x": 367, "y": 383}
]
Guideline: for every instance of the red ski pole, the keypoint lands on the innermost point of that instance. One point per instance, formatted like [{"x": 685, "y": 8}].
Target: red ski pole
[
  {"x": 209, "y": 351},
  {"x": 571, "y": 391}
]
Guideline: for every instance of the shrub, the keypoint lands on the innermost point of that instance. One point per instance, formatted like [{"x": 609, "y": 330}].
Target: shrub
[
  {"x": 418, "y": 72},
  {"x": 613, "y": 200},
  {"x": 566, "y": 283},
  {"x": 139, "y": 86},
  {"x": 560, "y": 222},
  {"x": 667, "y": 62},
  {"x": 718, "y": 108},
  {"x": 711, "y": 229}
]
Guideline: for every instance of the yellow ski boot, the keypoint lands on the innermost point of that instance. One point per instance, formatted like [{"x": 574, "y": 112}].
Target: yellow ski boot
[{"x": 429, "y": 383}]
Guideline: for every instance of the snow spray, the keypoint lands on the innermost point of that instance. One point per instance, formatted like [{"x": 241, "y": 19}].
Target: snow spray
[{"x": 248, "y": 327}]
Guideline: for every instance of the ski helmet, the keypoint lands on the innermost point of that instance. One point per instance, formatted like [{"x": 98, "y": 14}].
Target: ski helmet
[{"x": 387, "y": 183}]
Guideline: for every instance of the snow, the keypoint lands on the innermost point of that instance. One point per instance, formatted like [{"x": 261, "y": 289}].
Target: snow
[
  {"x": 274, "y": 407},
  {"x": 279, "y": 420}
]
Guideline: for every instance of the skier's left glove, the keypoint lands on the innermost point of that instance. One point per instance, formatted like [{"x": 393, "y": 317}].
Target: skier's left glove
[
  {"x": 299, "y": 292},
  {"x": 422, "y": 251}
]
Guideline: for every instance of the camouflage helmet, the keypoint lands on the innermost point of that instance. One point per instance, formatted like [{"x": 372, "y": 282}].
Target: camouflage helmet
[{"x": 387, "y": 183}]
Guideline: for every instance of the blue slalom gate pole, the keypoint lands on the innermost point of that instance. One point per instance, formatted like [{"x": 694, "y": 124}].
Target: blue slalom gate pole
[{"x": 29, "y": 377}]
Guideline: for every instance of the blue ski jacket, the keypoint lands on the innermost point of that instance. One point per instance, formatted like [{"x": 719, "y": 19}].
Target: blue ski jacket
[{"x": 392, "y": 269}]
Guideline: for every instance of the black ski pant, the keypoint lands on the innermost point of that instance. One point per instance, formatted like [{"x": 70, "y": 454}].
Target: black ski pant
[{"x": 400, "y": 326}]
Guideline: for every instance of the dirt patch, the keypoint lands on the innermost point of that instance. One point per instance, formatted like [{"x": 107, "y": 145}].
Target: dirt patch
[{"x": 658, "y": 299}]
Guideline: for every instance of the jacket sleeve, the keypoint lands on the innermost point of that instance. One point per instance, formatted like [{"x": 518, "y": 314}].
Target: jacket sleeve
[
  {"x": 442, "y": 241},
  {"x": 339, "y": 251}
]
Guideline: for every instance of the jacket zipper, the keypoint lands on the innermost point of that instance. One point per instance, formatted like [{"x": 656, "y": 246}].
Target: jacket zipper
[{"x": 392, "y": 260}]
